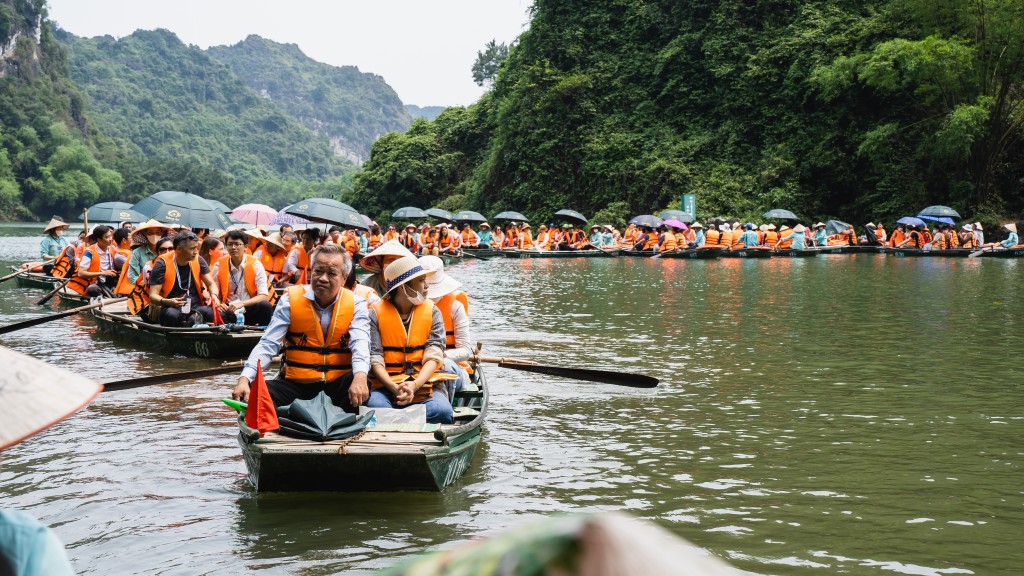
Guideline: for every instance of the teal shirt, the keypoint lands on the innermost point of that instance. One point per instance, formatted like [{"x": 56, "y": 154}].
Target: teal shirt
[
  {"x": 51, "y": 246},
  {"x": 485, "y": 238},
  {"x": 821, "y": 237},
  {"x": 749, "y": 238},
  {"x": 799, "y": 241},
  {"x": 31, "y": 548},
  {"x": 699, "y": 238},
  {"x": 140, "y": 256},
  {"x": 1010, "y": 241},
  {"x": 597, "y": 239}
]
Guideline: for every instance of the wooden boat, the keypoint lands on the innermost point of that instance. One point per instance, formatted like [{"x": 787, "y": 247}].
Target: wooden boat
[
  {"x": 950, "y": 253},
  {"x": 387, "y": 457},
  {"x": 450, "y": 259},
  {"x": 212, "y": 342},
  {"x": 484, "y": 252},
  {"x": 35, "y": 280},
  {"x": 694, "y": 254},
  {"x": 790, "y": 253},
  {"x": 754, "y": 252},
  {"x": 561, "y": 253},
  {"x": 860, "y": 249},
  {"x": 1015, "y": 252},
  {"x": 637, "y": 253},
  {"x": 904, "y": 252}
]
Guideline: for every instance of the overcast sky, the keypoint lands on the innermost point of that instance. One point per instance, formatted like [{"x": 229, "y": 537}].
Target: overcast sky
[{"x": 423, "y": 48}]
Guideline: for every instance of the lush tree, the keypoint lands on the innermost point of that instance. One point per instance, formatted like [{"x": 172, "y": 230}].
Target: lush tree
[{"x": 488, "y": 60}]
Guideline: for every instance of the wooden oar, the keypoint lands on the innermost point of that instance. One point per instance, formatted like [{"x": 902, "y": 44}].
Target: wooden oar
[
  {"x": 226, "y": 368},
  {"x": 56, "y": 289},
  {"x": 59, "y": 315},
  {"x": 470, "y": 254},
  {"x": 588, "y": 374},
  {"x": 9, "y": 276},
  {"x": 977, "y": 253}
]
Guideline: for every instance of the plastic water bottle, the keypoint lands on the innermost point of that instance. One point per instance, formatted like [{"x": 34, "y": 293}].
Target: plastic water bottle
[{"x": 240, "y": 316}]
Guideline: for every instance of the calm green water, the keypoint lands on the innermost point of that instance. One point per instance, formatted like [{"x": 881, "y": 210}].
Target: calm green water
[{"x": 842, "y": 414}]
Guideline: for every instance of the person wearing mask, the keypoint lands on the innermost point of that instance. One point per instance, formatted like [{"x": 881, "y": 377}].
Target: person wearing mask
[
  {"x": 95, "y": 275},
  {"x": 820, "y": 235},
  {"x": 407, "y": 342},
  {"x": 273, "y": 257},
  {"x": 242, "y": 284},
  {"x": 176, "y": 283},
  {"x": 322, "y": 329},
  {"x": 54, "y": 244}
]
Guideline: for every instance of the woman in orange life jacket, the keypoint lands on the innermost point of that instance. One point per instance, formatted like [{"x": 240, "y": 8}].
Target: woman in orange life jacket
[
  {"x": 407, "y": 341},
  {"x": 443, "y": 291},
  {"x": 391, "y": 234},
  {"x": 212, "y": 250},
  {"x": 449, "y": 242},
  {"x": 242, "y": 283},
  {"x": 96, "y": 275},
  {"x": 322, "y": 331},
  {"x": 898, "y": 236},
  {"x": 497, "y": 238},
  {"x": 176, "y": 285},
  {"x": 915, "y": 239},
  {"x": 881, "y": 234},
  {"x": 968, "y": 239},
  {"x": 511, "y": 237},
  {"x": 407, "y": 238},
  {"x": 543, "y": 239},
  {"x": 273, "y": 257},
  {"x": 376, "y": 237},
  {"x": 525, "y": 238},
  {"x": 376, "y": 261},
  {"x": 138, "y": 296}
]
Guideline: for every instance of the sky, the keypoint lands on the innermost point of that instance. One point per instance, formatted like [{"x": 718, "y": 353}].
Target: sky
[{"x": 424, "y": 49}]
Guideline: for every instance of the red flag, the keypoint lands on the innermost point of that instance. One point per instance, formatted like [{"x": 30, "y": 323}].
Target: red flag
[
  {"x": 217, "y": 320},
  {"x": 260, "y": 413}
]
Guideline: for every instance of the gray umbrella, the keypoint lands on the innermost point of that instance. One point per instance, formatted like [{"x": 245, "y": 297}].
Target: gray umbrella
[
  {"x": 685, "y": 217},
  {"x": 510, "y": 216},
  {"x": 571, "y": 216},
  {"x": 780, "y": 214},
  {"x": 408, "y": 212},
  {"x": 646, "y": 220},
  {"x": 328, "y": 211},
  {"x": 469, "y": 216},
  {"x": 172, "y": 207},
  {"x": 439, "y": 214},
  {"x": 113, "y": 212},
  {"x": 836, "y": 226},
  {"x": 939, "y": 211},
  {"x": 319, "y": 419}
]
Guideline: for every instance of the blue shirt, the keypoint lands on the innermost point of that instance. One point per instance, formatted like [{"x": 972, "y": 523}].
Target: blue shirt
[
  {"x": 31, "y": 548},
  {"x": 799, "y": 241},
  {"x": 597, "y": 239},
  {"x": 485, "y": 237},
  {"x": 270, "y": 344},
  {"x": 749, "y": 238},
  {"x": 1010, "y": 241},
  {"x": 699, "y": 237},
  {"x": 821, "y": 237},
  {"x": 51, "y": 246}
]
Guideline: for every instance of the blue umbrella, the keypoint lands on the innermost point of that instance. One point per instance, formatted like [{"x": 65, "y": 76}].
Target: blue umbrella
[
  {"x": 646, "y": 220},
  {"x": 911, "y": 221},
  {"x": 942, "y": 219}
]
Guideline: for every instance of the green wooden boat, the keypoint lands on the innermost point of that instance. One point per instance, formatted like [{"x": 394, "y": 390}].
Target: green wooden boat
[
  {"x": 385, "y": 458},
  {"x": 35, "y": 280},
  {"x": 790, "y": 253},
  {"x": 758, "y": 252},
  {"x": 637, "y": 253},
  {"x": 450, "y": 259},
  {"x": 860, "y": 249},
  {"x": 950, "y": 253},
  {"x": 484, "y": 252},
  {"x": 611, "y": 253},
  {"x": 213, "y": 342},
  {"x": 697, "y": 254},
  {"x": 1015, "y": 252},
  {"x": 904, "y": 252}
]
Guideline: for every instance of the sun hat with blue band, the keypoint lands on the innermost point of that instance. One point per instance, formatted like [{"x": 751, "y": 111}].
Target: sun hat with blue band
[{"x": 401, "y": 271}]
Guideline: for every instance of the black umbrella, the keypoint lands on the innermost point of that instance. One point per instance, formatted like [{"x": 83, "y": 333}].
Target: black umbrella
[
  {"x": 319, "y": 419},
  {"x": 469, "y": 216},
  {"x": 408, "y": 212},
  {"x": 646, "y": 220},
  {"x": 172, "y": 207},
  {"x": 780, "y": 214},
  {"x": 328, "y": 211},
  {"x": 836, "y": 226},
  {"x": 510, "y": 216},
  {"x": 439, "y": 214},
  {"x": 572, "y": 216},
  {"x": 939, "y": 211},
  {"x": 684, "y": 217},
  {"x": 225, "y": 210},
  {"x": 113, "y": 212}
]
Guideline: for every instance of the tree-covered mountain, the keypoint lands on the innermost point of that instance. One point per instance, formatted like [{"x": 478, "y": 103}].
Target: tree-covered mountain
[
  {"x": 428, "y": 112},
  {"x": 350, "y": 107},
  {"x": 862, "y": 110},
  {"x": 51, "y": 155}
]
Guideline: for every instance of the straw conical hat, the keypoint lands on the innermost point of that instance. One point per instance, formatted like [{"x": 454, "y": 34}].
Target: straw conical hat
[
  {"x": 372, "y": 261},
  {"x": 275, "y": 239},
  {"x": 139, "y": 236},
  {"x": 799, "y": 228},
  {"x": 35, "y": 395},
  {"x": 771, "y": 226},
  {"x": 56, "y": 223}
]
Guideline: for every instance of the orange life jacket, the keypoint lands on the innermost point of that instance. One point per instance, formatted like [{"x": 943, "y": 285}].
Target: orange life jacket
[
  {"x": 80, "y": 251},
  {"x": 787, "y": 241},
  {"x": 124, "y": 287},
  {"x": 954, "y": 239},
  {"x": 224, "y": 276},
  {"x": 273, "y": 265},
  {"x": 469, "y": 238},
  {"x": 302, "y": 263},
  {"x": 897, "y": 238},
  {"x": 403, "y": 351},
  {"x": 941, "y": 242},
  {"x": 668, "y": 242},
  {"x": 510, "y": 240},
  {"x": 171, "y": 273},
  {"x": 376, "y": 240},
  {"x": 771, "y": 237},
  {"x": 364, "y": 292},
  {"x": 445, "y": 305},
  {"x": 138, "y": 299},
  {"x": 308, "y": 356},
  {"x": 917, "y": 240},
  {"x": 525, "y": 240},
  {"x": 79, "y": 284},
  {"x": 690, "y": 236},
  {"x": 543, "y": 241},
  {"x": 390, "y": 235},
  {"x": 969, "y": 240},
  {"x": 62, "y": 265},
  {"x": 351, "y": 245},
  {"x": 712, "y": 238}
]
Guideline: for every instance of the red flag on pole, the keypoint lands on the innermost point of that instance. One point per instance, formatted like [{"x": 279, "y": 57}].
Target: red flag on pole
[{"x": 260, "y": 413}]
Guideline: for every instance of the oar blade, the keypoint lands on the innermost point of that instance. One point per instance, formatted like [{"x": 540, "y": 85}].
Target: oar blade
[
  {"x": 166, "y": 378},
  {"x": 587, "y": 374}
]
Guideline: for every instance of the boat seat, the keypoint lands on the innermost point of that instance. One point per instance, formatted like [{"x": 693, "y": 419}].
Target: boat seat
[{"x": 464, "y": 412}]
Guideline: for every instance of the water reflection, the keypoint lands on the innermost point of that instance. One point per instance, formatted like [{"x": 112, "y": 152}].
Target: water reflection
[{"x": 856, "y": 414}]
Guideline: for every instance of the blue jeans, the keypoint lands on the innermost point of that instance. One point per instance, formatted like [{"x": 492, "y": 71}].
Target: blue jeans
[
  {"x": 452, "y": 367},
  {"x": 439, "y": 409}
]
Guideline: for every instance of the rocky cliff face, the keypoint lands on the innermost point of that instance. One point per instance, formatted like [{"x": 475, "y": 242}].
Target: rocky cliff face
[{"x": 20, "y": 30}]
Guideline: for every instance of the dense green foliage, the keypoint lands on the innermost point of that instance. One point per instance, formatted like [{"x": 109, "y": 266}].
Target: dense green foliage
[
  {"x": 350, "y": 107},
  {"x": 863, "y": 110}
]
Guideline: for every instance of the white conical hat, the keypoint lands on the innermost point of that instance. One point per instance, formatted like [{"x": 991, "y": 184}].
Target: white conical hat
[
  {"x": 35, "y": 395},
  {"x": 1011, "y": 227},
  {"x": 799, "y": 228}
]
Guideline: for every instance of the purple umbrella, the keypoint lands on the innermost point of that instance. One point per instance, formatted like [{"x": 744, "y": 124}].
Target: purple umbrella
[
  {"x": 675, "y": 224},
  {"x": 367, "y": 220},
  {"x": 284, "y": 218}
]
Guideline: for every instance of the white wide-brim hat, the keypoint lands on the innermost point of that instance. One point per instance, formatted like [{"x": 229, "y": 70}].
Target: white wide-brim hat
[
  {"x": 439, "y": 284},
  {"x": 372, "y": 261},
  {"x": 401, "y": 271},
  {"x": 35, "y": 395},
  {"x": 55, "y": 223}
]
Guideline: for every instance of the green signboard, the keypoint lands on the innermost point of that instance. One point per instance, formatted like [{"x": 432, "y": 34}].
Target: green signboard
[{"x": 689, "y": 204}]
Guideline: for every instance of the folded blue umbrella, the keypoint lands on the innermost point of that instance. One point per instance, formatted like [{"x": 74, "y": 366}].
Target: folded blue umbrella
[{"x": 911, "y": 221}]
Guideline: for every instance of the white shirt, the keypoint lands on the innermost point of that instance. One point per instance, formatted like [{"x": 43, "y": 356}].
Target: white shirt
[{"x": 236, "y": 281}]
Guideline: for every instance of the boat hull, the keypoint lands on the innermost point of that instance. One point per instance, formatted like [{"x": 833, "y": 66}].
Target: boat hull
[
  {"x": 809, "y": 253},
  {"x": 380, "y": 459},
  {"x": 692, "y": 254},
  {"x": 219, "y": 342},
  {"x": 1008, "y": 253},
  {"x": 562, "y": 253},
  {"x": 747, "y": 253},
  {"x": 638, "y": 253}
]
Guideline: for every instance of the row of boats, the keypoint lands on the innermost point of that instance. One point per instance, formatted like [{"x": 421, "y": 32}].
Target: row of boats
[{"x": 711, "y": 252}]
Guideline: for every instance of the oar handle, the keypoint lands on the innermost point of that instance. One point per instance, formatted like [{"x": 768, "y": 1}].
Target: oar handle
[
  {"x": 9, "y": 276},
  {"x": 496, "y": 360}
]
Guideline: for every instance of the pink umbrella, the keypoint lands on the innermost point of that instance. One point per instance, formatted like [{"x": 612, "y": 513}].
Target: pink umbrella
[
  {"x": 254, "y": 213},
  {"x": 675, "y": 224}
]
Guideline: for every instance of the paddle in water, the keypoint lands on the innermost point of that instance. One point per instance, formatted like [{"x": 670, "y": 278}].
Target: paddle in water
[
  {"x": 587, "y": 374},
  {"x": 9, "y": 276},
  {"x": 59, "y": 315},
  {"x": 143, "y": 381},
  {"x": 56, "y": 288}
]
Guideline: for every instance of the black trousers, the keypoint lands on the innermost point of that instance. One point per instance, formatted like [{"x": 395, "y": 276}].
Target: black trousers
[
  {"x": 257, "y": 314},
  {"x": 173, "y": 318},
  {"x": 283, "y": 392}
]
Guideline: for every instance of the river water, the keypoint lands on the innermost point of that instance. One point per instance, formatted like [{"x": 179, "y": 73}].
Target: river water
[{"x": 843, "y": 414}]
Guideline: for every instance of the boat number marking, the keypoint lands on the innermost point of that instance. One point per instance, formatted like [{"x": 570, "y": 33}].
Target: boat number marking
[
  {"x": 202, "y": 349},
  {"x": 456, "y": 469}
]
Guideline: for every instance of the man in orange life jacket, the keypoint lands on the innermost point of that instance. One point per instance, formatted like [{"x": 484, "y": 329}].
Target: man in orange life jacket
[
  {"x": 175, "y": 284},
  {"x": 242, "y": 283},
  {"x": 96, "y": 274},
  {"x": 324, "y": 332}
]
